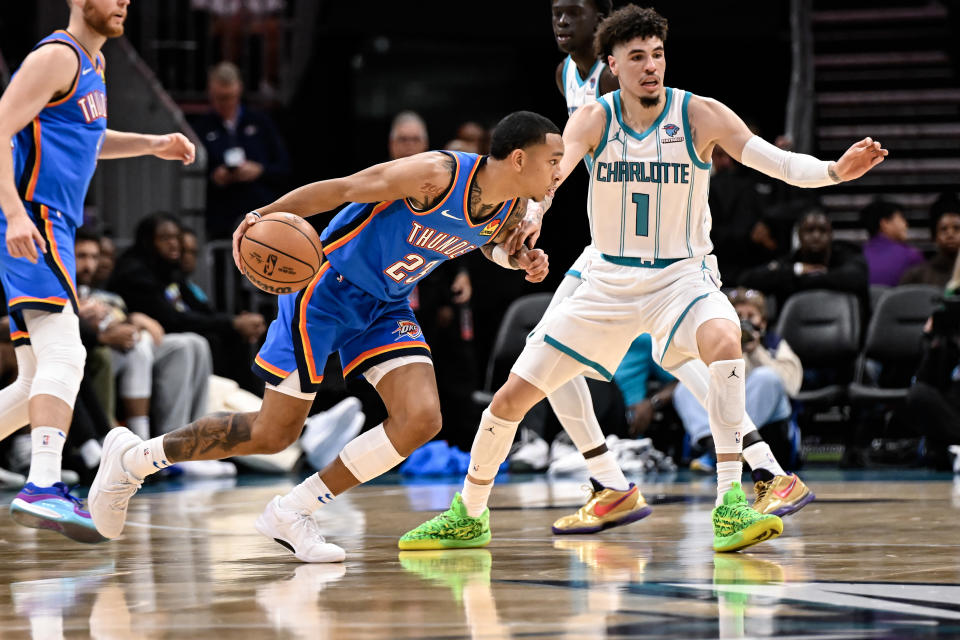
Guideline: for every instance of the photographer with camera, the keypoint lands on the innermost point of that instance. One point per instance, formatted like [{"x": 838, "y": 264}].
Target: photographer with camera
[
  {"x": 773, "y": 371},
  {"x": 933, "y": 401}
]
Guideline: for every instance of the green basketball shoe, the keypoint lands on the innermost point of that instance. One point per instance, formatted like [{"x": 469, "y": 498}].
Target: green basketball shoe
[
  {"x": 452, "y": 529},
  {"x": 737, "y": 526}
]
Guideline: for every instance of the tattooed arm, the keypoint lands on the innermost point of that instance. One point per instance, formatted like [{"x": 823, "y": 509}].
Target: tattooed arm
[
  {"x": 422, "y": 178},
  {"x": 533, "y": 261}
]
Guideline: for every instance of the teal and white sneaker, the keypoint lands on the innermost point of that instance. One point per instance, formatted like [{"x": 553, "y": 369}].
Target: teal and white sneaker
[{"x": 54, "y": 508}]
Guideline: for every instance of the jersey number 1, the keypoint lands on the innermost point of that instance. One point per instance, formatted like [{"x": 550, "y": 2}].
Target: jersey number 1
[{"x": 642, "y": 200}]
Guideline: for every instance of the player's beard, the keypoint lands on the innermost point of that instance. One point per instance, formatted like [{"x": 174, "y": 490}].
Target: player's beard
[
  {"x": 100, "y": 23},
  {"x": 649, "y": 103}
]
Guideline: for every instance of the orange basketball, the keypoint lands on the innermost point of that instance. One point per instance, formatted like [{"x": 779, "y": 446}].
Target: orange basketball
[{"x": 281, "y": 253}]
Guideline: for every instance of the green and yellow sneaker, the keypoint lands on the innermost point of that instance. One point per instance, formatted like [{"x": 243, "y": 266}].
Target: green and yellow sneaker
[
  {"x": 737, "y": 526},
  {"x": 452, "y": 529}
]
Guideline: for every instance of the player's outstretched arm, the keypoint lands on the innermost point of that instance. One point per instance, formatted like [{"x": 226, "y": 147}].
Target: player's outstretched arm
[
  {"x": 45, "y": 74},
  {"x": 126, "y": 144},
  {"x": 712, "y": 123},
  {"x": 421, "y": 178}
]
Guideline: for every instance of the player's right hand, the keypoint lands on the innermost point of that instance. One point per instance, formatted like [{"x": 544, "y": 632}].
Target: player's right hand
[
  {"x": 21, "y": 236},
  {"x": 248, "y": 221}
]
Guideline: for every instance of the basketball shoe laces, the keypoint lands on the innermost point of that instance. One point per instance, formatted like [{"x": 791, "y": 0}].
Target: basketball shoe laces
[
  {"x": 121, "y": 492},
  {"x": 305, "y": 525},
  {"x": 760, "y": 488},
  {"x": 64, "y": 491}
]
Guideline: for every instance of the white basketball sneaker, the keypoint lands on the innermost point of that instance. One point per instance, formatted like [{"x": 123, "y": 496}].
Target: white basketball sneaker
[
  {"x": 113, "y": 486},
  {"x": 298, "y": 532}
]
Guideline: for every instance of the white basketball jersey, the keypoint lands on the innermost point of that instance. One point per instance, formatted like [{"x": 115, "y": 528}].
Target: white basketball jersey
[
  {"x": 648, "y": 190},
  {"x": 577, "y": 91}
]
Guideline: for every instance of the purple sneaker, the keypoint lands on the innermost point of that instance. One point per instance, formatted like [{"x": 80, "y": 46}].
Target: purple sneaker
[{"x": 55, "y": 509}]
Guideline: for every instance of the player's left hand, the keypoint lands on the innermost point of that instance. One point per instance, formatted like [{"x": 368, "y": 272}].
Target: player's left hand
[
  {"x": 174, "y": 146},
  {"x": 534, "y": 262},
  {"x": 858, "y": 159}
]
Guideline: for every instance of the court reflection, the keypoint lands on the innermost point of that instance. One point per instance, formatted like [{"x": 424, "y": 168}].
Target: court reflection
[
  {"x": 292, "y": 604},
  {"x": 467, "y": 573}
]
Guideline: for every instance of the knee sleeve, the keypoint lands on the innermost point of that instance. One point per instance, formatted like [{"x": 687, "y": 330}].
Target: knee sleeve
[
  {"x": 15, "y": 398},
  {"x": 60, "y": 356},
  {"x": 370, "y": 454},
  {"x": 725, "y": 404},
  {"x": 574, "y": 408},
  {"x": 696, "y": 378},
  {"x": 491, "y": 445}
]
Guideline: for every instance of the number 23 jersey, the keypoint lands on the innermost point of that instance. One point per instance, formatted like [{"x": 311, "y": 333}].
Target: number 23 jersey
[
  {"x": 648, "y": 190},
  {"x": 384, "y": 248}
]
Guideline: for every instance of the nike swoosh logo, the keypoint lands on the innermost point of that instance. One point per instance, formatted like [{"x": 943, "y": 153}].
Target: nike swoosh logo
[
  {"x": 784, "y": 493},
  {"x": 447, "y": 215},
  {"x": 86, "y": 71},
  {"x": 603, "y": 509}
]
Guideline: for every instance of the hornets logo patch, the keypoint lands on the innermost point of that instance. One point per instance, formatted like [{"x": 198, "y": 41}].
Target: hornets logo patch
[
  {"x": 671, "y": 130},
  {"x": 491, "y": 228},
  {"x": 407, "y": 329}
]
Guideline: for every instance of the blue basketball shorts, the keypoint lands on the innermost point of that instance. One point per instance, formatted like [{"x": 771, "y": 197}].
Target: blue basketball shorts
[
  {"x": 48, "y": 285},
  {"x": 332, "y": 314}
]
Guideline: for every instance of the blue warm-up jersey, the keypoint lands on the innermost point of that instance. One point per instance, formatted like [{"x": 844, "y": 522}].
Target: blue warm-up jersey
[
  {"x": 54, "y": 156},
  {"x": 384, "y": 248}
]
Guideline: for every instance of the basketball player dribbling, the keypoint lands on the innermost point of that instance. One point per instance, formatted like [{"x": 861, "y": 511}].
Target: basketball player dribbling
[
  {"x": 582, "y": 78},
  {"x": 54, "y": 118},
  {"x": 650, "y": 222},
  {"x": 405, "y": 217}
]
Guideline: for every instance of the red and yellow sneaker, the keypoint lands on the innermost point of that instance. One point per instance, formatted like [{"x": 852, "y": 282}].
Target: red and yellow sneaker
[
  {"x": 779, "y": 495},
  {"x": 606, "y": 508}
]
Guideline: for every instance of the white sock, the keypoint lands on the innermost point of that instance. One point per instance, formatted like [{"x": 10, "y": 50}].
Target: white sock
[
  {"x": 90, "y": 451},
  {"x": 727, "y": 474},
  {"x": 308, "y": 495},
  {"x": 140, "y": 425},
  {"x": 607, "y": 472},
  {"x": 759, "y": 456},
  {"x": 475, "y": 497},
  {"x": 145, "y": 458},
  {"x": 45, "y": 456}
]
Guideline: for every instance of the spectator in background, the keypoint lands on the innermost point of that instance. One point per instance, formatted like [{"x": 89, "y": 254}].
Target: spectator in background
[
  {"x": 741, "y": 238},
  {"x": 247, "y": 161},
  {"x": 149, "y": 278},
  {"x": 189, "y": 249},
  {"x": 887, "y": 253},
  {"x": 163, "y": 376},
  {"x": 106, "y": 262},
  {"x": 233, "y": 22},
  {"x": 933, "y": 400},
  {"x": 945, "y": 228},
  {"x": 441, "y": 304},
  {"x": 818, "y": 263},
  {"x": 774, "y": 373}
]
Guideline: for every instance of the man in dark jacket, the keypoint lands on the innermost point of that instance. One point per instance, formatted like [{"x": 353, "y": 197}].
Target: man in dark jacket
[
  {"x": 818, "y": 263},
  {"x": 246, "y": 159}
]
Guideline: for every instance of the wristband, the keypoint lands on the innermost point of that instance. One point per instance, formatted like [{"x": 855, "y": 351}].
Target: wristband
[{"x": 502, "y": 258}]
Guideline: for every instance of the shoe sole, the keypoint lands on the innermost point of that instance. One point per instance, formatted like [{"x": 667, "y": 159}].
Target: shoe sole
[
  {"x": 766, "y": 529},
  {"x": 796, "y": 506},
  {"x": 21, "y": 514},
  {"x": 106, "y": 467},
  {"x": 426, "y": 545},
  {"x": 633, "y": 516}
]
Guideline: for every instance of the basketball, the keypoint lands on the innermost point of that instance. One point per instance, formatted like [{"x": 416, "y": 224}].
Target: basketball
[{"x": 281, "y": 253}]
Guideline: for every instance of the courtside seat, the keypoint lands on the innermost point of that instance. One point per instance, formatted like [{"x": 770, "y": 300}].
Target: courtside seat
[
  {"x": 823, "y": 329},
  {"x": 893, "y": 341}
]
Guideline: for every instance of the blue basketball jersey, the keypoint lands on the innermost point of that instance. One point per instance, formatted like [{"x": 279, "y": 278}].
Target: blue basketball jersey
[
  {"x": 54, "y": 156},
  {"x": 384, "y": 248}
]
